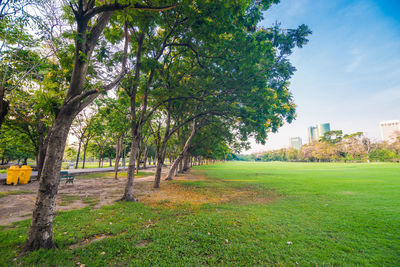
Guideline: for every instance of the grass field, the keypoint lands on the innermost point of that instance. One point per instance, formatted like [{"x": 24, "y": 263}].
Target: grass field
[{"x": 269, "y": 214}]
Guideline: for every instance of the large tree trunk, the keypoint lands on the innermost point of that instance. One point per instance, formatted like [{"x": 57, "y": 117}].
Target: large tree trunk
[
  {"x": 180, "y": 166},
  {"x": 186, "y": 161},
  {"x": 128, "y": 195},
  {"x": 157, "y": 176},
  {"x": 41, "y": 230},
  {"x": 182, "y": 153}
]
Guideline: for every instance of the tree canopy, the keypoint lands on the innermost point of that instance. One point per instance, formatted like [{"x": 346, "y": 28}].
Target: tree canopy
[{"x": 188, "y": 80}]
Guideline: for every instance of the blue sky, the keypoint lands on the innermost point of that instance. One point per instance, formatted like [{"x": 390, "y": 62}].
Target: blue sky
[{"x": 349, "y": 72}]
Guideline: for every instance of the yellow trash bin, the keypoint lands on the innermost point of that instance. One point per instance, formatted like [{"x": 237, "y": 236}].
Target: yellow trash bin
[
  {"x": 25, "y": 174},
  {"x": 12, "y": 175}
]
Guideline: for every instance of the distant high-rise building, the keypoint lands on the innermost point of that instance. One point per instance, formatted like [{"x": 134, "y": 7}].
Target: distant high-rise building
[
  {"x": 322, "y": 129},
  {"x": 316, "y": 132},
  {"x": 312, "y": 134},
  {"x": 388, "y": 129},
  {"x": 295, "y": 142}
]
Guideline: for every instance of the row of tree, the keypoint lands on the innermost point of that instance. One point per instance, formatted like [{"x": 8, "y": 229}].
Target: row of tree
[
  {"x": 189, "y": 78},
  {"x": 335, "y": 147}
]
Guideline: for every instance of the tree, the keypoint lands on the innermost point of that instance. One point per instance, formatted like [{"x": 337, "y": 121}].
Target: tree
[
  {"x": 81, "y": 129},
  {"x": 17, "y": 59},
  {"x": 90, "y": 19},
  {"x": 332, "y": 137}
]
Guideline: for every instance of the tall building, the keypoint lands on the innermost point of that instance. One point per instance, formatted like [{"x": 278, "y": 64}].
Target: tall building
[
  {"x": 312, "y": 134},
  {"x": 389, "y": 129},
  {"x": 322, "y": 129},
  {"x": 316, "y": 132},
  {"x": 295, "y": 142}
]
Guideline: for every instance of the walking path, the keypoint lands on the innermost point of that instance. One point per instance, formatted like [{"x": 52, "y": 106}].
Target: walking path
[
  {"x": 75, "y": 172},
  {"x": 17, "y": 202}
]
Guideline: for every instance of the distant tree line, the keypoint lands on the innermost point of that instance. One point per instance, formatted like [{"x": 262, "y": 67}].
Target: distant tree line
[{"x": 334, "y": 146}]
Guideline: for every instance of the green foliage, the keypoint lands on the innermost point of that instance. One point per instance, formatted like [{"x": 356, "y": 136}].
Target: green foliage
[
  {"x": 15, "y": 144},
  {"x": 336, "y": 147},
  {"x": 383, "y": 154}
]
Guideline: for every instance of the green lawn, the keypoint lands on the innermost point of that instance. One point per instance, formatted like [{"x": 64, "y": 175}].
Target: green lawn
[{"x": 308, "y": 214}]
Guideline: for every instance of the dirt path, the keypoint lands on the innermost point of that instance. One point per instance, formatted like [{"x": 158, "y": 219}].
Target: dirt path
[{"x": 17, "y": 202}]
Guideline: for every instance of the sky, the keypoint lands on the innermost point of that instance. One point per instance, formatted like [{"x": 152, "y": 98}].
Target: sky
[{"x": 349, "y": 72}]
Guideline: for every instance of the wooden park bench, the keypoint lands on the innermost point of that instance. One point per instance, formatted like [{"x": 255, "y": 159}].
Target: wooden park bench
[{"x": 65, "y": 175}]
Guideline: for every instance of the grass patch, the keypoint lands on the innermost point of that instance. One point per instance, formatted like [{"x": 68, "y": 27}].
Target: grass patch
[
  {"x": 66, "y": 200},
  {"x": 110, "y": 175},
  {"x": 16, "y": 192},
  {"x": 91, "y": 201},
  {"x": 325, "y": 214}
]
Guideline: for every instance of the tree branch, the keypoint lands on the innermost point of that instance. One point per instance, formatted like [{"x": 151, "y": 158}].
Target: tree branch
[
  {"x": 89, "y": 95},
  {"x": 116, "y": 6},
  {"x": 191, "y": 48}
]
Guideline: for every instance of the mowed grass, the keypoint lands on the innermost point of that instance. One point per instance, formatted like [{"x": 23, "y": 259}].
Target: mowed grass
[{"x": 318, "y": 214}]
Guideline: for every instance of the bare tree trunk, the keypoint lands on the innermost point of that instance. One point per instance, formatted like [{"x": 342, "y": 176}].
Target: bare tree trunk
[
  {"x": 178, "y": 160},
  {"x": 186, "y": 161},
  {"x": 176, "y": 170},
  {"x": 157, "y": 176},
  {"x": 146, "y": 152},
  {"x": 41, "y": 230},
  {"x": 117, "y": 156},
  {"x": 84, "y": 153},
  {"x": 139, "y": 153},
  {"x": 77, "y": 156},
  {"x": 123, "y": 156},
  {"x": 162, "y": 150},
  {"x": 128, "y": 195},
  {"x": 180, "y": 166},
  {"x": 40, "y": 234},
  {"x": 135, "y": 128}
]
